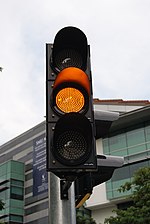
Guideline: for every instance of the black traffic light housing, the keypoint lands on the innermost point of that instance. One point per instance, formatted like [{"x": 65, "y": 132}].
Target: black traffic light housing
[
  {"x": 105, "y": 164},
  {"x": 103, "y": 122},
  {"x": 69, "y": 49},
  {"x": 106, "y": 167},
  {"x": 70, "y": 127}
]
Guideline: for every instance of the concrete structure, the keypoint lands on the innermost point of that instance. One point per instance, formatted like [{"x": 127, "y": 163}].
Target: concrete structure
[{"x": 129, "y": 137}]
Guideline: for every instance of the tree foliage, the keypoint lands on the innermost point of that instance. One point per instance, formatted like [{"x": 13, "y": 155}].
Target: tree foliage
[
  {"x": 84, "y": 220},
  {"x": 1, "y": 205},
  {"x": 139, "y": 212}
]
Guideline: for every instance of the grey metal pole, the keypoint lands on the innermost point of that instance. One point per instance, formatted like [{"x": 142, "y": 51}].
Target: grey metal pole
[{"x": 60, "y": 211}]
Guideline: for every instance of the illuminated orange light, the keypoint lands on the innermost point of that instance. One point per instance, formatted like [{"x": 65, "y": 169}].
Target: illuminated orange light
[{"x": 70, "y": 98}]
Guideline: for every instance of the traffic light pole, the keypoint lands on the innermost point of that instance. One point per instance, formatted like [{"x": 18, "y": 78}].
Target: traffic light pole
[{"x": 60, "y": 211}]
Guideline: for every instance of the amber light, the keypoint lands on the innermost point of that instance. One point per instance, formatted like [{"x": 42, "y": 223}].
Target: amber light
[
  {"x": 72, "y": 89},
  {"x": 70, "y": 100}
]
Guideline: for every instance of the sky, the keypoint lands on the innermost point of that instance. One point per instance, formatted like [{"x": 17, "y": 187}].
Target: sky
[{"x": 118, "y": 32}]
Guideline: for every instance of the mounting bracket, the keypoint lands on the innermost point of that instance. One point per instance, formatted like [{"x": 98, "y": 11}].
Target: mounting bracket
[{"x": 64, "y": 187}]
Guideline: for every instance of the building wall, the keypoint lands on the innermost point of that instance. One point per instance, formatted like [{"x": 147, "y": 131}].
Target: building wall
[
  {"x": 12, "y": 191},
  {"x": 122, "y": 108},
  {"x": 98, "y": 197},
  {"x": 21, "y": 149},
  {"x": 99, "y": 215},
  {"x": 133, "y": 143}
]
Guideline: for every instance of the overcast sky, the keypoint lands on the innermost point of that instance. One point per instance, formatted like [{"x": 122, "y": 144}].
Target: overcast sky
[{"x": 118, "y": 32}]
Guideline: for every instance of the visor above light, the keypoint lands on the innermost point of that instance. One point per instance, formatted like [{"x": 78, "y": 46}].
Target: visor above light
[{"x": 71, "y": 91}]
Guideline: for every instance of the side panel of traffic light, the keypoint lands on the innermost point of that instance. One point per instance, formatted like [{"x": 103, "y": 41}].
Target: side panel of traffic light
[
  {"x": 70, "y": 127},
  {"x": 85, "y": 184}
]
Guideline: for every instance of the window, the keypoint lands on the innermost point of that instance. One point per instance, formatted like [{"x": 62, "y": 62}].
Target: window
[
  {"x": 136, "y": 141},
  {"x": 121, "y": 173},
  {"x": 117, "y": 142},
  {"x": 136, "y": 166},
  {"x": 147, "y": 133},
  {"x": 120, "y": 177},
  {"x": 16, "y": 193},
  {"x": 17, "y": 183},
  {"x": 125, "y": 205},
  {"x": 16, "y": 218},
  {"x": 134, "y": 145}
]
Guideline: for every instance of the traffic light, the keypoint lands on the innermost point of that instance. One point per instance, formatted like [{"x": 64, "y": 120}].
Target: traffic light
[
  {"x": 70, "y": 128},
  {"x": 84, "y": 184},
  {"x": 105, "y": 164}
]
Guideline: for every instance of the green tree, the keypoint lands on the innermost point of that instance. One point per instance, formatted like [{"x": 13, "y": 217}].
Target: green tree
[
  {"x": 139, "y": 212},
  {"x": 84, "y": 220},
  {"x": 83, "y": 216},
  {"x": 1, "y": 207}
]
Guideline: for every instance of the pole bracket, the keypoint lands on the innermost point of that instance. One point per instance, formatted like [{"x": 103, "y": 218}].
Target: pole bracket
[{"x": 64, "y": 187}]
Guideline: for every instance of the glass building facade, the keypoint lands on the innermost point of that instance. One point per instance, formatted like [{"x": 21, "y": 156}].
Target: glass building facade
[
  {"x": 133, "y": 143},
  {"x": 12, "y": 191}
]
